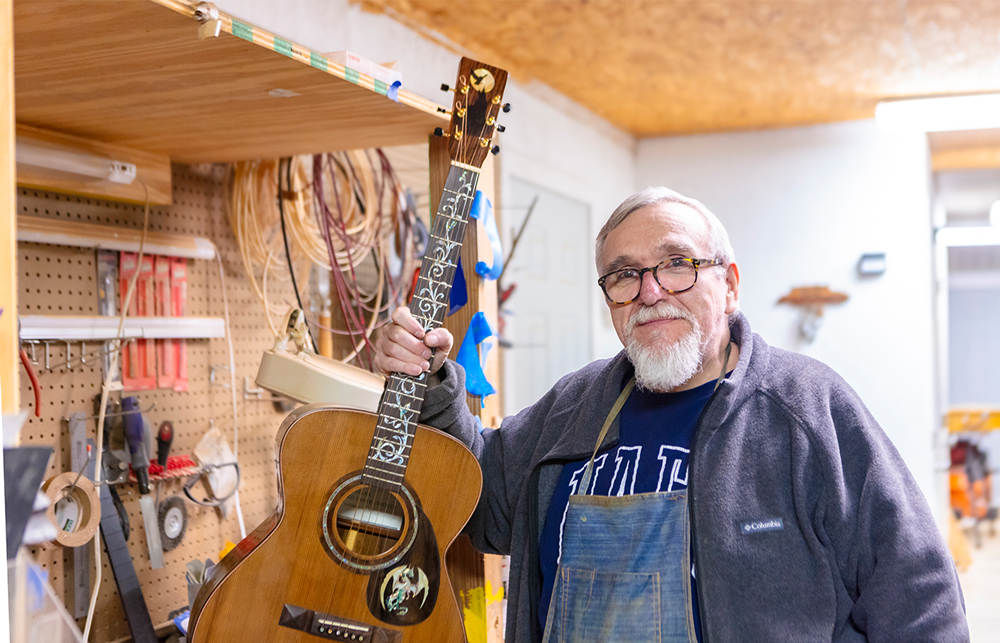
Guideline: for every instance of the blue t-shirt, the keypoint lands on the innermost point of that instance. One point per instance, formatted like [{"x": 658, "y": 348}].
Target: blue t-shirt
[{"x": 655, "y": 431}]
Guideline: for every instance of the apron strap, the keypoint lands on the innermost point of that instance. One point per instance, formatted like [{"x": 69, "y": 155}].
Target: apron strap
[
  {"x": 616, "y": 409},
  {"x": 619, "y": 403}
]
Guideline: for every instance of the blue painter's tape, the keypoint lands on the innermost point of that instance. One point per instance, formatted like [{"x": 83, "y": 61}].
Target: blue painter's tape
[
  {"x": 482, "y": 209},
  {"x": 317, "y": 61},
  {"x": 468, "y": 357},
  {"x": 242, "y": 30},
  {"x": 282, "y": 46},
  {"x": 392, "y": 92},
  {"x": 459, "y": 292}
]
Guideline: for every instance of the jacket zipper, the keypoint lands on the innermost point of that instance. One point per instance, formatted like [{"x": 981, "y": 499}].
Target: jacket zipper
[{"x": 691, "y": 502}]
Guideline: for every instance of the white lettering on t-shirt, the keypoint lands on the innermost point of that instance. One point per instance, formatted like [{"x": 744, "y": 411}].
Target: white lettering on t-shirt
[
  {"x": 627, "y": 463},
  {"x": 672, "y": 454}
]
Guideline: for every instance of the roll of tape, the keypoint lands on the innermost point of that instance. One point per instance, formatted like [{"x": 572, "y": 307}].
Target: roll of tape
[{"x": 76, "y": 514}]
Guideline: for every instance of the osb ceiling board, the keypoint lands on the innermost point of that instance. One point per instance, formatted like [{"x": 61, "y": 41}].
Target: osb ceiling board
[
  {"x": 656, "y": 67},
  {"x": 135, "y": 73}
]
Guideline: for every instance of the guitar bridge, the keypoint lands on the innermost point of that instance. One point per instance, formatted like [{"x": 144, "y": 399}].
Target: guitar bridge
[{"x": 334, "y": 628}]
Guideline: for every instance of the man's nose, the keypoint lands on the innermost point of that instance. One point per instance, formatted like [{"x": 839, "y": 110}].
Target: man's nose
[{"x": 649, "y": 290}]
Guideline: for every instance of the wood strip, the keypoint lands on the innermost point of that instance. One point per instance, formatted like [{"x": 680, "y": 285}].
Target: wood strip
[
  {"x": 965, "y": 159},
  {"x": 151, "y": 168},
  {"x": 9, "y": 369}
]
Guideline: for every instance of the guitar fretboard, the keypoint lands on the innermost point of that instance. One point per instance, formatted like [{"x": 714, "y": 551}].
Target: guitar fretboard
[{"x": 404, "y": 394}]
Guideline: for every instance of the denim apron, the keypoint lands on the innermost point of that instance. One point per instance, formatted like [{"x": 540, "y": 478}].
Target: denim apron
[{"x": 624, "y": 574}]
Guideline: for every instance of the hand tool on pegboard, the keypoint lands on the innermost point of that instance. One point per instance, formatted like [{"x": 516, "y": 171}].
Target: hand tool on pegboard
[
  {"x": 135, "y": 434},
  {"x": 136, "y": 613},
  {"x": 164, "y": 438},
  {"x": 78, "y": 444}
]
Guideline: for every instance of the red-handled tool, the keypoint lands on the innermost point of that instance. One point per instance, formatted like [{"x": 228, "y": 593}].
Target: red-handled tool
[
  {"x": 163, "y": 439},
  {"x": 34, "y": 383}
]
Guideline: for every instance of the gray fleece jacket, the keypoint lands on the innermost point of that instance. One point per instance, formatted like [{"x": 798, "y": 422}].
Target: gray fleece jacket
[{"x": 806, "y": 524}]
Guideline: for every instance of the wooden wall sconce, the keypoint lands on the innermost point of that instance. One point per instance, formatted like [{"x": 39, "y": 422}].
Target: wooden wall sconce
[{"x": 811, "y": 300}]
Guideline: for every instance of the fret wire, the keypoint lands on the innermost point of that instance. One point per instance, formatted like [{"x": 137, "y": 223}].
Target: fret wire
[
  {"x": 397, "y": 406},
  {"x": 426, "y": 279},
  {"x": 439, "y": 238},
  {"x": 404, "y": 431},
  {"x": 388, "y": 473},
  {"x": 459, "y": 220},
  {"x": 387, "y": 467},
  {"x": 391, "y": 482},
  {"x": 387, "y": 430},
  {"x": 464, "y": 196},
  {"x": 412, "y": 396}
]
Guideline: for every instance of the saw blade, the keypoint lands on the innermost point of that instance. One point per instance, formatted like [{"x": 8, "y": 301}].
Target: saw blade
[
  {"x": 173, "y": 522},
  {"x": 152, "y": 527}
]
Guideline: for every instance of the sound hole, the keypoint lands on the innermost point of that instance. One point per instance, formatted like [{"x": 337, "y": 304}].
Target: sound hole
[{"x": 369, "y": 522}]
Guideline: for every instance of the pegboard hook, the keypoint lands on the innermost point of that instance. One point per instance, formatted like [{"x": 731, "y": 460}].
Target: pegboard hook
[
  {"x": 69, "y": 356},
  {"x": 211, "y": 374}
]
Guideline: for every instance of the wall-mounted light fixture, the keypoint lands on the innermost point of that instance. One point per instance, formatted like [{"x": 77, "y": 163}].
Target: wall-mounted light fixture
[
  {"x": 943, "y": 114},
  {"x": 91, "y": 235},
  {"x": 85, "y": 165}
]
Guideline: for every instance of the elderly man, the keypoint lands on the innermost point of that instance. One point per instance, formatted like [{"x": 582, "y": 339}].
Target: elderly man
[{"x": 700, "y": 485}]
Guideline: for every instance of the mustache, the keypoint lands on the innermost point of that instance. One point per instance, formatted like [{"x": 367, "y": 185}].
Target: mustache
[{"x": 660, "y": 310}]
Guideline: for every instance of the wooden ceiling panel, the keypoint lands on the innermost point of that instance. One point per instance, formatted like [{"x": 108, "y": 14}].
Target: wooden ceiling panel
[{"x": 655, "y": 67}]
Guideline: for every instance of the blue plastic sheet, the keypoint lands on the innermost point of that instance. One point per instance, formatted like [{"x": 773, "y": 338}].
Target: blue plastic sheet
[
  {"x": 469, "y": 357},
  {"x": 459, "y": 293},
  {"x": 482, "y": 210},
  {"x": 392, "y": 91}
]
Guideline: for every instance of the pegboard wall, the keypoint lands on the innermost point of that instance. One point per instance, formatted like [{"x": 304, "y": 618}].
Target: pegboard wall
[{"x": 58, "y": 280}]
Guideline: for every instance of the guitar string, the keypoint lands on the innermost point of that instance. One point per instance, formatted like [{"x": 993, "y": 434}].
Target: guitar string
[{"x": 382, "y": 495}]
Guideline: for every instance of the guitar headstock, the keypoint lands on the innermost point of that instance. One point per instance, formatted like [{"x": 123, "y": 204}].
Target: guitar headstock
[{"x": 478, "y": 101}]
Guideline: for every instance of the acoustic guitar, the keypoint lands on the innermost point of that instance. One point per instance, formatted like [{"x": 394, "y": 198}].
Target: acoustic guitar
[{"x": 368, "y": 503}]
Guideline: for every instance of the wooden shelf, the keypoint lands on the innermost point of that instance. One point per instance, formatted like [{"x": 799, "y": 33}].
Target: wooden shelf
[{"x": 136, "y": 74}]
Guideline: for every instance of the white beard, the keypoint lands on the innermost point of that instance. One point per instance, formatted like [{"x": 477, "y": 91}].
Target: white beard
[{"x": 664, "y": 367}]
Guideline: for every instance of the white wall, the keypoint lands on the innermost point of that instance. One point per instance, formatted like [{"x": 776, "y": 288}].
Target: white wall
[
  {"x": 550, "y": 141},
  {"x": 801, "y": 206}
]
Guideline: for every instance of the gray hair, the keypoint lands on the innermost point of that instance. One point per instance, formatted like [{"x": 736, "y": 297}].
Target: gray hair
[{"x": 718, "y": 239}]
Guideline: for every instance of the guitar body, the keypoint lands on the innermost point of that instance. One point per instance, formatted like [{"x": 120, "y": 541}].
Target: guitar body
[{"x": 339, "y": 558}]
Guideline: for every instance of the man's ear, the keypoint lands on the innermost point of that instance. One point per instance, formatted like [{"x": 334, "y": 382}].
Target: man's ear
[{"x": 732, "y": 288}]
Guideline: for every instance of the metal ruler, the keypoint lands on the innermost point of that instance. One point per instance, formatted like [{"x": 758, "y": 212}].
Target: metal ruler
[{"x": 81, "y": 555}]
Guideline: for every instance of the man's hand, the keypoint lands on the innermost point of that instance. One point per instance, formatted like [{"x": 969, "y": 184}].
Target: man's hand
[{"x": 403, "y": 347}]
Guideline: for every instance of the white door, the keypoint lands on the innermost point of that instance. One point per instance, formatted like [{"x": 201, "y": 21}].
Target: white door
[{"x": 547, "y": 318}]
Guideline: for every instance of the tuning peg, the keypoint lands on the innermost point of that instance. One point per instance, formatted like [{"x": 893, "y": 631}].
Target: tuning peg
[
  {"x": 495, "y": 150},
  {"x": 506, "y": 108},
  {"x": 439, "y": 132},
  {"x": 445, "y": 87},
  {"x": 501, "y": 128},
  {"x": 442, "y": 110}
]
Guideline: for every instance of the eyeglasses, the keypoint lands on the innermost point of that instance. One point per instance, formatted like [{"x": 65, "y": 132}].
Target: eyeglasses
[{"x": 674, "y": 275}]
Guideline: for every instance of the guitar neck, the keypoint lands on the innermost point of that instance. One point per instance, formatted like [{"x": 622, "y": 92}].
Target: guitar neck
[{"x": 403, "y": 397}]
